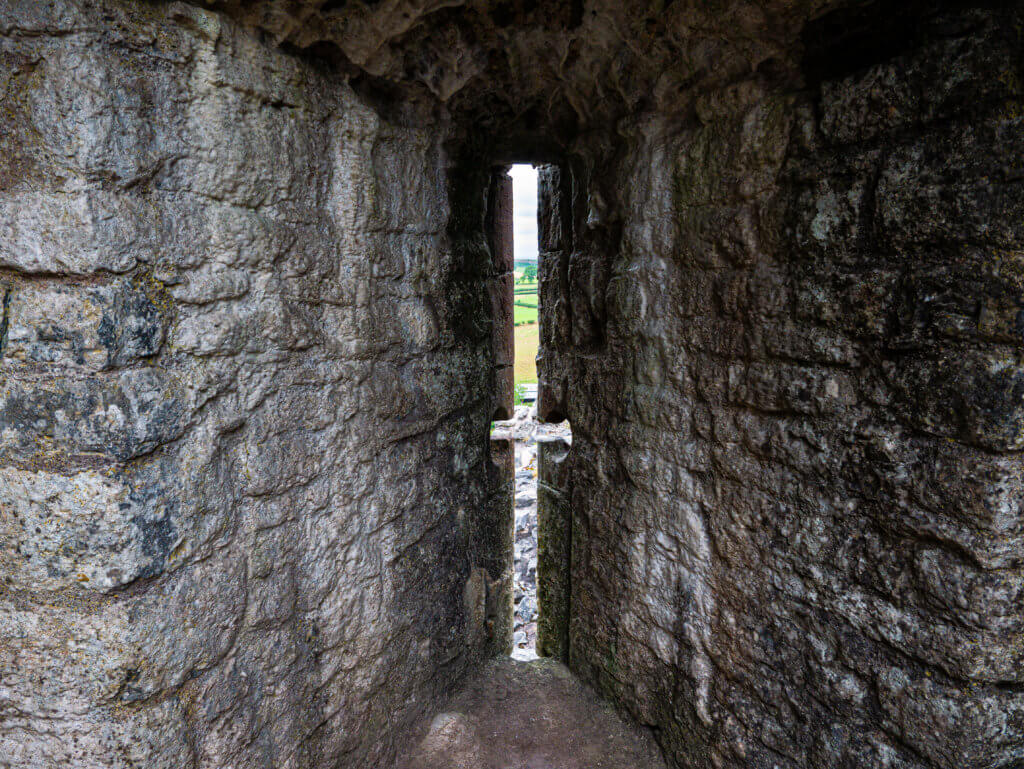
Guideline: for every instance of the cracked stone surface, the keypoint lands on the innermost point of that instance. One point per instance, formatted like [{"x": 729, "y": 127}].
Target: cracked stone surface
[
  {"x": 795, "y": 477},
  {"x": 249, "y": 516},
  {"x": 244, "y": 398}
]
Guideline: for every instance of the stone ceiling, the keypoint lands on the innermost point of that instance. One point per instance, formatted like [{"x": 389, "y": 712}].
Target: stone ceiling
[{"x": 560, "y": 67}]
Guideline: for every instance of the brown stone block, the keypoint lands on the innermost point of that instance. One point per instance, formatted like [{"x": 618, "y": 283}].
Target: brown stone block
[
  {"x": 502, "y": 234},
  {"x": 502, "y": 333},
  {"x": 504, "y": 385},
  {"x": 549, "y": 208},
  {"x": 551, "y": 400}
]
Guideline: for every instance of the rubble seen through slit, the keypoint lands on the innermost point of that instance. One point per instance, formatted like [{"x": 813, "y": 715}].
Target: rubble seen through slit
[{"x": 526, "y": 431}]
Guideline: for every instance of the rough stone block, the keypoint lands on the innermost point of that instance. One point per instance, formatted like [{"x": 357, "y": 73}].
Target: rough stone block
[
  {"x": 833, "y": 214},
  {"x": 948, "y": 187},
  {"x": 75, "y": 233},
  {"x": 552, "y": 395},
  {"x": 975, "y": 397},
  {"x": 194, "y": 616},
  {"x": 94, "y": 327},
  {"x": 84, "y": 530},
  {"x": 785, "y": 388},
  {"x": 122, "y": 417},
  {"x": 65, "y": 666},
  {"x": 935, "y": 81}
]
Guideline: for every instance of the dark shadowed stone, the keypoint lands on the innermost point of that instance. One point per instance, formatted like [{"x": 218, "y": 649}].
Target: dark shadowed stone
[{"x": 253, "y": 335}]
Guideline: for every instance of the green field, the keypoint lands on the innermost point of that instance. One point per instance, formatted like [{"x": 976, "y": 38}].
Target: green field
[
  {"x": 527, "y": 331},
  {"x": 527, "y": 341},
  {"x": 523, "y": 315},
  {"x": 524, "y": 303}
]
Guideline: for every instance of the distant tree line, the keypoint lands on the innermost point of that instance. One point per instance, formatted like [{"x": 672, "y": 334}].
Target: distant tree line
[{"x": 529, "y": 274}]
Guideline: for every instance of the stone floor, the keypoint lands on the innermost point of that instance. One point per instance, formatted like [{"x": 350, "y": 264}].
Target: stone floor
[
  {"x": 523, "y": 712},
  {"x": 530, "y": 715}
]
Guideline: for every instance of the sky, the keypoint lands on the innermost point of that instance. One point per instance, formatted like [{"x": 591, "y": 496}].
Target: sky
[{"x": 524, "y": 211}]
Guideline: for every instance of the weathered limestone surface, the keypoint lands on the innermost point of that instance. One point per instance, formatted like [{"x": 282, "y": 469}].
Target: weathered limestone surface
[
  {"x": 554, "y": 548},
  {"x": 243, "y": 420},
  {"x": 248, "y": 512},
  {"x": 794, "y": 384}
]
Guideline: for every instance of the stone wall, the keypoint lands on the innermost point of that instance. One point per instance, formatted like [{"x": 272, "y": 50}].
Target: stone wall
[
  {"x": 248, "y": 512},
  {"x": 786, "y": 332},
  {"x": 500, "y": 225},
  {"x": 244, "y": 404}
]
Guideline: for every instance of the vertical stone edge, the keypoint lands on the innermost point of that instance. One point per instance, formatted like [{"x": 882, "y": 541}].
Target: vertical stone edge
[
  {"x": 554, "y": 548},
  {"x": 553, "y": 293},
  {"x": 500, "y": 289},
  {"x": 498, "y": 586}
]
